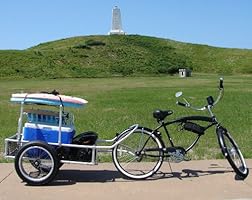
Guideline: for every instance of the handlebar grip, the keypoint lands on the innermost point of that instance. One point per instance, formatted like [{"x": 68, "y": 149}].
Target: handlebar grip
[
  {"x": 221, "y": 83},
  {"x": 181, "y": 104}
]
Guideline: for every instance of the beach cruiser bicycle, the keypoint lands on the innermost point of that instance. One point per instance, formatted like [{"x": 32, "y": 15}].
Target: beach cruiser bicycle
[{"x": 142, "y": 153}]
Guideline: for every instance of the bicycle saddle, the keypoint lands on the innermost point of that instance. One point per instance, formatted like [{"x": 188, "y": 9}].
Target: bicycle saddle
[{"x": 161, "y": 114}]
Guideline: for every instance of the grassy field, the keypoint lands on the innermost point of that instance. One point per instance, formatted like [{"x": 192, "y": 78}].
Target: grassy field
[{"x": 116, "y": 103}]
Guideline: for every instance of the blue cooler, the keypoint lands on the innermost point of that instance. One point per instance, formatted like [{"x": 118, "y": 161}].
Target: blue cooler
[{"x": 47, "y": 133}]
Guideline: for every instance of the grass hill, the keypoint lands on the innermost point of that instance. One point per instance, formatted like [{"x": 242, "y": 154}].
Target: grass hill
[{"x": 102, "y": 56}]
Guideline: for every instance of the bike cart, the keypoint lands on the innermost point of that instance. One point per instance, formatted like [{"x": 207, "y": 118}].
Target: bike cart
[{"x": 45, "y": 137}]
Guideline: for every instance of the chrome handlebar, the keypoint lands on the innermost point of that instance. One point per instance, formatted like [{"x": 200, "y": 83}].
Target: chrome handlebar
[{"x": 210, "y": 99}]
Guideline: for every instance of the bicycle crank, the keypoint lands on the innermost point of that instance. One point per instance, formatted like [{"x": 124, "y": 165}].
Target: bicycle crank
[{"x": 175, "y": 154}]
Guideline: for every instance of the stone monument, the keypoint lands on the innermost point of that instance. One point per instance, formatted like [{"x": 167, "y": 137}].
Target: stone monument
[{"x": 116, "y": 22}]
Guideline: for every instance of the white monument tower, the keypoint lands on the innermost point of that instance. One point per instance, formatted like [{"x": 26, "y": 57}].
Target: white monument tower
[{"x": 116, "y": 22}]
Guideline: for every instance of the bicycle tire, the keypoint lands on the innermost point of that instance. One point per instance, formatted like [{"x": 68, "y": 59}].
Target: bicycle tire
[
  {"x": 232, "y": 153},
  {"x": 137, "y": 166},
  {"x": 36, "y": 163}
]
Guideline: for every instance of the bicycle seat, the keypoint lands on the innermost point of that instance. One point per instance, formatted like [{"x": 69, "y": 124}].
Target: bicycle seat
[{"x": 161, "y": 114}]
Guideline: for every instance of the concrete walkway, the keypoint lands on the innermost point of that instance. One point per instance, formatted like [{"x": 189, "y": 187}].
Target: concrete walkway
[{"x": 203, "y": 180}]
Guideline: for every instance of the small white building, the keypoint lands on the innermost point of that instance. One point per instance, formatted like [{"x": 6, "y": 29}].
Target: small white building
[
  {"x": 185, "y": 73},
  {"x": 116, "y": 22}
]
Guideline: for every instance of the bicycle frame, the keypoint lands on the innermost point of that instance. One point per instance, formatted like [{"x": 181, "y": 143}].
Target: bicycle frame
[{"x": 211, "y": 120}]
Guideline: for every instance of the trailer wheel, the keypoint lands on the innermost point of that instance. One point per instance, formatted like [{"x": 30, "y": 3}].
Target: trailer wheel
[{"x": 36, "y": 163}]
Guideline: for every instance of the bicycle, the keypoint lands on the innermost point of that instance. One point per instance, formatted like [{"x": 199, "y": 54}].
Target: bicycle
[{"x": 142, "y": 153}]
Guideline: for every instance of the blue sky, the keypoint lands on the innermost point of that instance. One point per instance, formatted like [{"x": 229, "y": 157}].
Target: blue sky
[{"x": 222, "y": 23}]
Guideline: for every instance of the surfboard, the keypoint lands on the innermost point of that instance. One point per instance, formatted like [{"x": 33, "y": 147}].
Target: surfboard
[{"x": 48, "y": 99}]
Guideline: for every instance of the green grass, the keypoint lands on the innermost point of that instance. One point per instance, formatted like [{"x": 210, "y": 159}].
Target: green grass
[
  {"x": 116, "y": 103},
  {"x": 128, "y": 55}
]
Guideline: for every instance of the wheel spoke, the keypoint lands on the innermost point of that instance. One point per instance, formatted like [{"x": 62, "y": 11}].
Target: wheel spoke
[{"x": 127, "y": 162}]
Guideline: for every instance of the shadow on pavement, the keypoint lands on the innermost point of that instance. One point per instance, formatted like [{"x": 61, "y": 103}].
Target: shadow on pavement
[{"x": 70, "y": 177}]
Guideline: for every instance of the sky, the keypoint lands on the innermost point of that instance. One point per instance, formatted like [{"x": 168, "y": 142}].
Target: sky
[{"x": 220, "y": 23}]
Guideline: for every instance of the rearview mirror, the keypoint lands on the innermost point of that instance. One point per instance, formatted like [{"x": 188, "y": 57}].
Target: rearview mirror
[{"x": 178, "y": 94}]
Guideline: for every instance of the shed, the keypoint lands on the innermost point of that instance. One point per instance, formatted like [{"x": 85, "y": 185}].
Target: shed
[{"x": 185, "y": 73}]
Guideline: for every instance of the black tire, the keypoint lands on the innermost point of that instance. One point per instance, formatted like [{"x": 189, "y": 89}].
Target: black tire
[
  {"x": 36, "y": 163},
  {"x": 232, "y": 153},
  {"x": 134, "y": 164}
]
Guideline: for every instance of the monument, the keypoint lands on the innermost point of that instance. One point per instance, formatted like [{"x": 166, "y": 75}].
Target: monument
[{"x": 116, "y": 22}]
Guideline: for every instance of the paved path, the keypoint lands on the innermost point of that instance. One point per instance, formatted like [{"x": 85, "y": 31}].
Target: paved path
[{"x": 203, "y": 180}]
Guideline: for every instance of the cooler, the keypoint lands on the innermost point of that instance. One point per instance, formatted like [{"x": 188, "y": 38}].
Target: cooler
[{"x": 47, "y": 133}]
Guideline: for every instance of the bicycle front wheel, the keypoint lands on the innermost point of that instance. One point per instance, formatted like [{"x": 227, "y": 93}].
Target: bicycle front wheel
[
  {"x": 232, "y": 152},
  {"x": 139, "y": 155}
]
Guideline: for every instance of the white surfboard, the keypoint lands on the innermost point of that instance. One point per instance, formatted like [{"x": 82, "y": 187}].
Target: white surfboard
[{"x": 48, "y": 99}]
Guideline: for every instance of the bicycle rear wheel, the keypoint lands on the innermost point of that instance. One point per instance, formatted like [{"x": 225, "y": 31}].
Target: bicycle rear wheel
[
  {"x": 232, "y": 152},
  {"x": 140, "y": 155}
]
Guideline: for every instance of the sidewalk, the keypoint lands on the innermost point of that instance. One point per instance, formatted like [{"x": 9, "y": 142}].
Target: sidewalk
[{"x": 207, "y": 179}]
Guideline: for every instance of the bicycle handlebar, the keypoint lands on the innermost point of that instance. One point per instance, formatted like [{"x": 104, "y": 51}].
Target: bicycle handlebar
[
  {"x": 221, "y": 83},
  {"x": 210, "y": 100},
  {"x": 221, "y": 93},
  {"x": 181, "y": 104}
]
